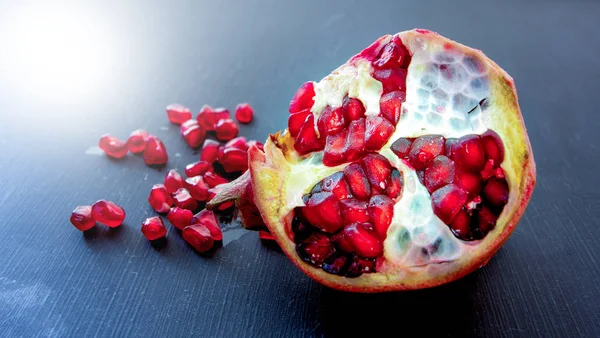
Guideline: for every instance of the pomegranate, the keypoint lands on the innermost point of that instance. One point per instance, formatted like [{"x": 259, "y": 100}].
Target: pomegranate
[
  {"x": 160, "y": 198},
  {"x": 108, "y": 213},
  {"x": 198, "y": 168},
  {"x": 178, "y": 114},
  {"x": 82, "y": 218},
  {"x": 153, "y": 228},
  {"x": 112, "y": 146},
  {"x": 209, "y": 117},
  {"x": 210, "y": 151},
  {"x": 405, "y": 168},
  {"x": 173, "y": 181},
  {"x": 180, "y": 218},
  {"x": 155, "y": 152},
  {"x": 198, "y": 236},
  {"x": 244, "y": 113},
  {"x": 207, "y": 218},
  {"x": 136, "y": 143},
  {"x": 192, "y": 133},
  {"x": 226, "y": 129}
]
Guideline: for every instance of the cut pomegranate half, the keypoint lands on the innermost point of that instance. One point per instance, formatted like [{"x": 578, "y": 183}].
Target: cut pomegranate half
[{"x": 405, "y": 168}]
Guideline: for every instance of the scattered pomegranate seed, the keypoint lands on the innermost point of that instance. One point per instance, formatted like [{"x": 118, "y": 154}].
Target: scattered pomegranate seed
[
  {"x": 197, "y": 168},
  {"x": 180, "y": 218},
  {"x": 198, "y": 236},
  {"x": 82, "y": 218},
  {"x": 265, "y": 235},
  {"x": 155, "y": 152},
  {"x": 160, "y": 199},
  {"x": 209, "y": 117},
  {"x": 153, "y": 228},
  {"x": 244, "y": 113},
  {"x": 136, "y": 143},
  {"x": 173, "y": 181},
  {"x": 197, "y": 188},
  {"x": 184, "y": 200},
  {"x": 213, "y": 179},
  {"x": 108, "y": 213},
  {"x": 234, "y": 160},
  {"x": 226, "y": 129},
  {"x": 192, "y": 133},
  {"x": 178, "y": 114},
  {"x": 238, "y": 142},
  {"x": 210, "y": 151},
  {"x": 112, "y": 146},
  {"x": 207, "y": 218}
]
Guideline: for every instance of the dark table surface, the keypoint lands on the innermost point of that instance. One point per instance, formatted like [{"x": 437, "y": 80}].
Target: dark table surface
[{"x": 71, "y": 72}]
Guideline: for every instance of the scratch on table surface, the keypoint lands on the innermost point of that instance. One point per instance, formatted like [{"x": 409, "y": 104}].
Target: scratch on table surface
[
  {"x": 25, "y": 297},
  {"x": 94, "y": 150}
]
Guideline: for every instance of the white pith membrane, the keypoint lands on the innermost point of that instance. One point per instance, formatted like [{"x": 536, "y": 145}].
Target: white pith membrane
[{"x": 444, "y": 88}]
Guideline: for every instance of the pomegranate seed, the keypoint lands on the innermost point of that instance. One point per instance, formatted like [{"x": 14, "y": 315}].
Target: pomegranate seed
[
  {"x": 296, "y": 121},
  {"x": 364, "y": 241},
  {"x": 337, "y": 185},
  {"x": 378, "y": 132},
  {"x": 198, "y": 236},
  {"x": 355, "y": 142},
  {"x": 360, "y": 265},
  {"x": 495, "y": 192},
  {"x": 394, "y": 188},
  {"x": 371, "y": 52},
  {"x": 468, "y": 153},
  {"x": 381, "y": 209},
  {"x": 265, "y": 235},
  {"x": 468, "y": 181},
  {"x": 335, "y": 149},
  {"x": 173, "y": 181},
  {"x": 112, "y": 146},
  {"x": 238, "y": 142},
  {"x": 353, "y": 109},
  {"x": 439, "y": 173},
  {"x": 160, "y": 199},
  {"x": 136, "y": 143},
  {"x": 212, "y": 192},
  {"x": 393, "y": 55},
  {"x": 460, "y": 225},
  {"x": 493, "y": 147},
  {"x": 424, "y": 149},
  {"x": 448, "y": 146},
  {"x": 447, "y": 201},
  {"x": 226, "y": 129},
  {"x": 153, "y": 228},
  {"x": 303, "y": 99},
  {"x": 207, "y": 218},
  {"x": 358, "y": 182},
  {"x": 82, "y": 218},
  {"x": 192, "y": 133},
  {"x": 178, "y": 114},
  {"x": 378, "y": 170},
  {"x": 210, "y": 151},
  {"x": 331, "y": 121},
  {"x": 234, "y": 159},
  {"x": 315, "y": 249},
  {"x": 213, "y": 179},
  {"x": 486, "y": 220},
  {"x": 108, "y": 213},
  {"x": 335, "y": 264},
  {"x": 390, "y": 105},
  {"x": 401, "y": 147},
  {"x": 307, "y": 140},
  {"x": 340, "y": 242},
  {"x": 180, "y": 218},
  {"x": 354, "y": 211},
  {"x": 259, "y": 145},
  {"x": 155, "y": 152},
  {"x": 197, "y": 168},
  {"x": 244, "y": 113},
  {"x": 197, "y": 188},
  {"x": 391, "y": 79},
  {"x": 184, "y": 200},
  {"x": 209, "y": 117},
  {"x": 323, "y": 211}
]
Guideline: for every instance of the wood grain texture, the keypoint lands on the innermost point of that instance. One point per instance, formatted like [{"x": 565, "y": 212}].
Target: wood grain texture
[{"x": 56, "y": 282}]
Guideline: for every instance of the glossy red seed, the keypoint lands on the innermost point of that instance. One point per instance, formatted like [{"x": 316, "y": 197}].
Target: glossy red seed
[
  {"x": 297, "y": 120},
  {"x": 244, "y": 113},
  {"x": 180, "y": 218},
  {"x": 184, "y": 200},
  {"x": 307, "y": 140},
  {"x": 337, "y": 185},
  {"x": 447, "y": 201},
  {"x": 353, "y": 109},
  {"x": 198, "y": 236},
  {"x": 197, "y": 188},
  {"x": 355, "y": 141},
  {"x": 468, "y": 153},
  {"x": 108, "y": 213},
  {"x": 331, "y": 121},
  {"x": 234, "y": 160},
  {"x": 136, "y": 143},
  {"x": 197, "y": 168},
  {"x": 491, "y": 170},
  {"x": 323, "y": 211},
  {"x": 364, "y": 241},
  {"x": 303, "y": 98},
  {"x": 360, "y": 265},
  {"x": 493, "y": 147},
  {"x": 341, "y": 243},
  {"x": 178, "y": 114},
  {"x": 468, "y": 181},
  {"x": 335, "y": 149},
  {"x": 173, "y": 181},
  {"x": 155, "y": 152},
  {"x": 393, "y": 55},
  {"x": 401, "y": 147},
  {"x": 394, "y": 189},
  {"x": 358, "y": 181},
  {"x": 378, "y": 170},
  {"x": 495, "y": 192},
  {"x": 207, "y": 218},
  {"x": 460, "y": 225},
  {"x": 255, "y": 143},
  {"x": 335, "y": 264},
  {"x": 209, "y": 117},
  {"x": 238, "y": 142},
  {"x": 112, "y": 146},
  {"x": 390, "y": 105},
  {"x": 210, "y": 151},
  {"x": 354, "y": 211},
  {"x": 226, "y": 129},
  {"x": 370, "y": 53},
  {"x": 315, "y": 249},
  {"x": 160, "y": 199},
  {"x": 265, "y": 236},
  {"x": 378, "y": 132},
  {"x": 213, "y": 179},
  {"x": 82, "y": 218},
  {"x": 192, "y": 133},
  {"x": 153, "y": 228},
  {"x": 381, "y": 209},
  {"x": 439, "y": 173},
  {"x": 486, "y": 220},
  {"x": 391, "y": 79},
  {"x": 424, "y": 149}
]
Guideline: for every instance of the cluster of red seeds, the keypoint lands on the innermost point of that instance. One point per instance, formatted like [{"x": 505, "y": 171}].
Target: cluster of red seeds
[
  {"x": 84, "y": 217},
  {"x": 344, "y": 223},
  {"x": 152, "y": 148},
  {"x": 344, "y": 133},
  {"x": 467, "y": 186}
]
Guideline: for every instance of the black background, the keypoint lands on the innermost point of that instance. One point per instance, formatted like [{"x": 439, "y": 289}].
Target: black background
[{"x": 54, "y": 281}]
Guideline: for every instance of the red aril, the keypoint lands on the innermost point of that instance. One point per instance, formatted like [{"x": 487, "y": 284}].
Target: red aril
[
  {"x": 238, "y": 142},
  {"x": 180, "y": 218},
  {"x": 381, "y": 209},
  {"x": 323, "y": 211},
  {"x": 212, "y": 179},
  {"x": 197, "y": 188},
  {"x": 447, "y": 201},
  {"x": 493, "y": 147},
  {"x": 354, "y": 211},
  {"x": 401, "y": 147},
  {"x": 364, "y": 241},
  {"x": 424, "y": 149},
  {"x": 136, "y": 143},
  {"x": 297, "y": 121},
  {"x": 394, "y": 189},
  {"x": 377, "y": 133},
  {"x": 315, "y": 249},
  {"x": 160, "y": 199},
  {"x": 378, "y": 170},
  {"x": 358, "y": 181},
  {"x": 391, "y": 105},
  {"x": 244, "y": 113},
  {"x": 331, "y": 121},
  {"x": 198, "y": 168},
  {"x": 353, "y": 109},
  {"x": 184, "y": 200},
  {"x": 307, "y": 139},
  {"x": 226, "y": 129},
  {"x": 303, "y": 99},
  {"x": 209, "y": 117},
  {"x": 192, "y": 133},
  {"x": 234, "y": 159},
  {"x": 198, "y": 236},
  {"x": 112, "y": 146},
  {"x": 468, "y": 153},
  {"x": 393, "y": 55},
  {"x": 495, "y": 192},
  {"x": 178, "y": 114},
  {"x": 391, "y": 79},
  {"x": 254, "y": 143},
  {"x": 153, "y": 228},
  {"x": 207, "y": 218},
  {"x": 337, "y": 185},
  {"x": 439, "y": 173},
  {"x": 173, "y": 181},
  {"x": 108, "y": 213},
  {"x": 210, "y": 151},
  {"x": 82, "y": 218},
  {"x": 155, "y": 152}
]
